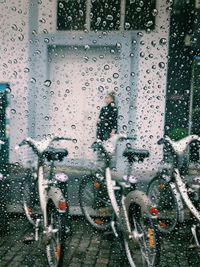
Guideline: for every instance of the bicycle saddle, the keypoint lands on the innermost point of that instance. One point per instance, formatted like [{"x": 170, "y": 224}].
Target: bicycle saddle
[
  {"x": 133, "y": 154},
  {"x": 53, "y": 154}
]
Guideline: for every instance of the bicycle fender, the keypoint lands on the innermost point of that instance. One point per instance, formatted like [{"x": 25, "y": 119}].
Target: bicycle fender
[
  {"x": 140, "y": 199},
  {"x": 56, "y": 195}
]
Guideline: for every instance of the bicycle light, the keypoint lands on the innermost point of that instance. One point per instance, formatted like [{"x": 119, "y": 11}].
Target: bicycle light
[
  {"x": 154, "y": 211},
  {"x": 62, "y": 205}
]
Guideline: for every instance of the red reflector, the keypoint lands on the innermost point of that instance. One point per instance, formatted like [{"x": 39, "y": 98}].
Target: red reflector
[
  {"x": 153, "y": 211},
  {"x": 62, "y": 205}
]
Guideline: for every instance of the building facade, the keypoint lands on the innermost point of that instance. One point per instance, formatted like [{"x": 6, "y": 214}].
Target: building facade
[{"x": 60, "y": 58}]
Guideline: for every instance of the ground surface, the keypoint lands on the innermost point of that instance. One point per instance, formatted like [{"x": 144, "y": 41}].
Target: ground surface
[{"x": 86, "y": 247}]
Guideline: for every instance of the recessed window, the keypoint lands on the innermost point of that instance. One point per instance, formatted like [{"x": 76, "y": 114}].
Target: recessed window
[
  {"x": 71, "y": 15},
  {"x": 105, "y": 14},
  {"x": 140, "y": 15}
]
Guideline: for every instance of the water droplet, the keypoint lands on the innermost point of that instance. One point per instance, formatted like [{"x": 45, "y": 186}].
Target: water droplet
[
  {"x": 127, "y": 25},
  {"x": 115, "y": 75},
  {"x": 61, "y": 5},
  {"x": 101, "y": 89},
  {"x": 73, "y": 126},
  {"x": 33, "y": 80},
  {"x": 149, "y": 23},
  {"x": 154, "y": 12},
  {"x": 46, "y": 40},
  {"x": 124, "y": 127},
  {"x": 47, "y": 83},
  {"x": 21, "y": 37},
  {"x": 46, "y": 118},
  {"x": 13, "y": 111},
  {"x": 69, "y": 18},
  {"x": 142, "y": 54},
  {"x": 106, "y": 67},
  {"x": 118, "y": 45},
  {"x": 153, "y": 43},
  {"x": 14, "y": 27},
  {"x": 87, "y": 47},
  {"x": 163, "y": 41},
  {"x": 109, "y": 17},
  {"x": 26, "y": 70},
  {"x": 161, "y": 65}
]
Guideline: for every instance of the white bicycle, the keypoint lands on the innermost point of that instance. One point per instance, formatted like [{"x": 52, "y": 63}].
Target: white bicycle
[
  {"x": 116, "y": 203},
  {"x": 44, "y": 203},
  {"x": 170, "y": 191}
]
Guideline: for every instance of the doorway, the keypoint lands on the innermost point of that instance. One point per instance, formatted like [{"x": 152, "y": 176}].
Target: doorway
[{"x": 81, "y": 77}]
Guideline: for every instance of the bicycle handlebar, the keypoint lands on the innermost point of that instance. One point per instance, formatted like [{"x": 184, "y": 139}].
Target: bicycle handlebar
[
  {"x": 123, "y": 138},
  {"x": 161, "y": 141},
  {"x": 40, "y": 146},
  {"x": 61, "y": 138},
  {"x": 178, "y": 148}
]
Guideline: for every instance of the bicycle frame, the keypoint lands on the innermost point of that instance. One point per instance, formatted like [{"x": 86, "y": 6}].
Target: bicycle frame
[
  {"x": 178, "y": 149},
  {"x": 183, "y": 191},
  {"x": 134, "y": 196},
  {"x": 47, "y": 188},
  {"x": 48, "y": 191}
]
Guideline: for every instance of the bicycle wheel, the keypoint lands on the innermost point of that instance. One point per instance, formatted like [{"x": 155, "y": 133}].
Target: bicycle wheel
[
  {"x": 166, "y": 198},
  {"x": 95, "y": 203},
  {"x": 55, "y": 237},
  {"x": 143, "y": 247},
  {"x": 30, "y": 200}
]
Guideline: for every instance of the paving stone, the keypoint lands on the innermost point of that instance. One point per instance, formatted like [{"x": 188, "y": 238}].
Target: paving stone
[{"x": 89, "y": 248}]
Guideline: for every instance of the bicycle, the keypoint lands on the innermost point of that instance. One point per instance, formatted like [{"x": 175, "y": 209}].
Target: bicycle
[
  {"x": 128, "y": 211},
  {"x": 3, "y": 209},
  {"x": 169, "y": 191},
  {"x": 44, "y": 203}
]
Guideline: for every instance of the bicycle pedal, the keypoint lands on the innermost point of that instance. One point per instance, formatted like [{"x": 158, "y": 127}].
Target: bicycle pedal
[
  {"x": 116, "y": 188},
  {"x": 108, "y": 233},
  {"x": 29, "y": 240},
  {"x": 67, "y": 230}
]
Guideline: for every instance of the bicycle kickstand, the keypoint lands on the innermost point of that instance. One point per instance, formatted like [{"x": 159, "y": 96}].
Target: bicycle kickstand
[
  {"x": 37, "y": 230},
  {"x": 113, "y": 223},
  {"x": 194, "y": 233}
]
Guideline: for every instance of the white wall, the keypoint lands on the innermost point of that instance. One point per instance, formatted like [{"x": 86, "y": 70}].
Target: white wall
[
  {"x": 151, "y": 87},
  {"x": 14, "y": 65},
  {"x": 16, "y": 68}
]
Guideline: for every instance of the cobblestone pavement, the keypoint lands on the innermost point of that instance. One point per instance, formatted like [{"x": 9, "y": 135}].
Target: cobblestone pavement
[{"x": 86, "y": 247}]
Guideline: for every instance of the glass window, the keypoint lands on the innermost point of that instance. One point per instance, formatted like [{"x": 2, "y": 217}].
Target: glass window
[
  {"x": 140, "y": 15},
  {"x": 71, "y": 15},
  {"x": 105, "y": 15}
]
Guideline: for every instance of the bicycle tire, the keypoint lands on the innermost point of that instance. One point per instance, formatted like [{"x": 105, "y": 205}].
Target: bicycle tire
[
  {"x": 143, "y": 246},
  {"x": 167, "y": 199},
  {"x": 55, "y": 238},
  {"x": 95, "y": 203},
  {"x": 30, "y": 200}
]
